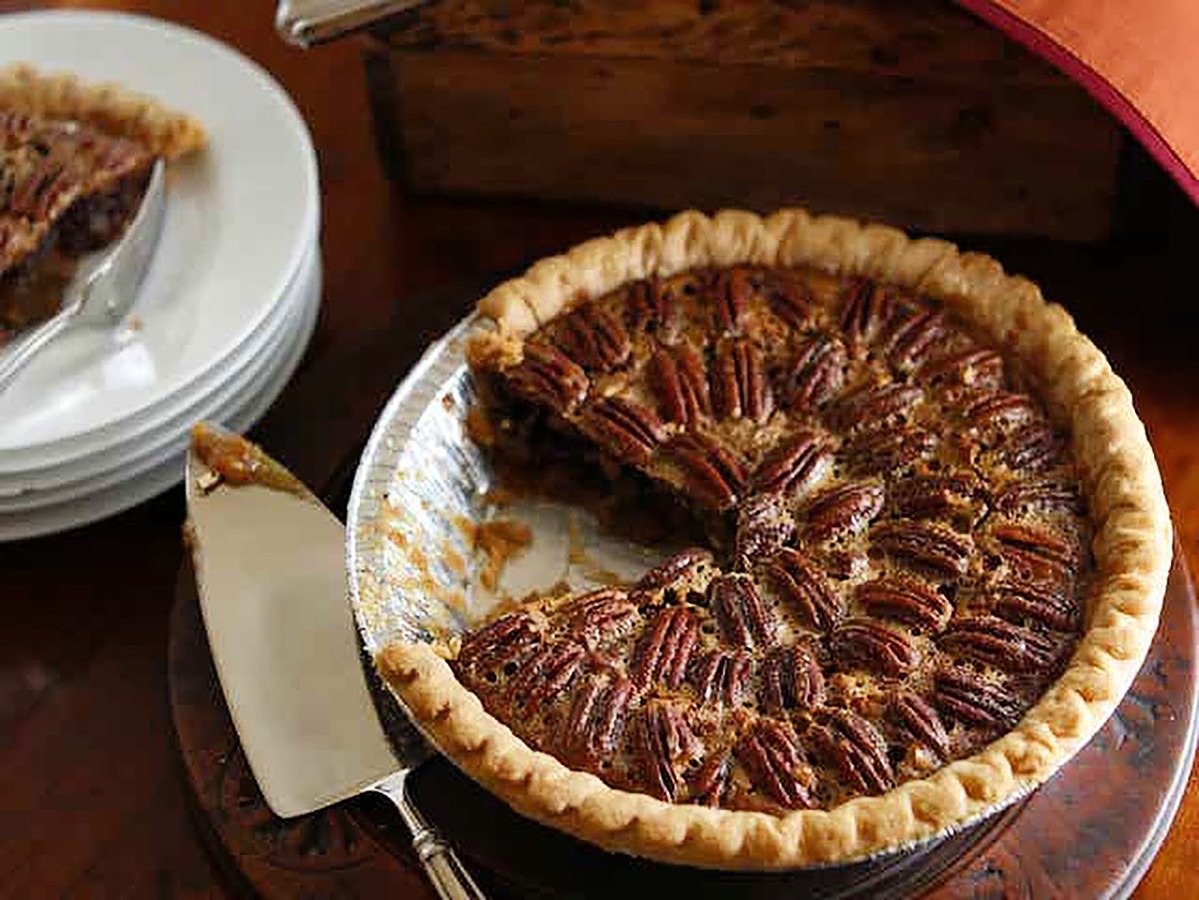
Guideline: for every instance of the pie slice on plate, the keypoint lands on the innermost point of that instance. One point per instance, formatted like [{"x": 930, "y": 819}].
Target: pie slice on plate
[
  {"x": 938, "y": 544},
  {"x": 74, "y": 162}
]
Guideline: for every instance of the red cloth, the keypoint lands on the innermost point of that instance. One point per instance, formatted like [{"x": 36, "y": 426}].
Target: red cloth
[{"x": 1139, "y": 58}]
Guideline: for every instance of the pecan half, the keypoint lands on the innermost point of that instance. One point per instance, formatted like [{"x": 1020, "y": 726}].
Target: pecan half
[
  {"x": 764, "y": 524},
  {"x": 664, "y": 743},
  {"x": 1018, "y": 601},
  {"x": 873, "y": 646},
  {"x": 969, "y": 697},
  {"x": 974, "y": 368},
  {"x": 720, "y": 678},
  {"x": 914, "y": 338},
  {"x": 743, "y": 619},
  {"x": 1036, "y": 555},
  {"x": 674, "y": 569},
  {"x": 596, "y": 718},
  {"x": 888, "y": 449},
  {"x": 772, "y": 757},
  {"x": 791, "y": 679},
  {"x": 544, "y": 675},
  {"x": 788, "y": 297},
  {"x": 665, "y": 650},
  {"x": 714, "y": 476},
  {"x": 999, "y": 411},
  {"x": 866, "y": 310},
  {"x": 626, "y": 429},
  {"x": 677, "y": 376},
  {"x": 734, "y": 289},
  {"x": 906, "y": 600},
  {"x": 502, "y": 644},
  {"x": 649, "y": 306},
  {"x": 593, "y": 337},
  {"x": 873, "y": 406},
  {"x": 598, "y": 617},
  {"x": 921, "y": 496},
  {"x": 855, "y": 747},
  {"x": 919, "y": 718},
  {"x": 816, "y": 374},
  {"x": 1020, "y": 495},
  {"x": 926, "y": 543},
  {"x": 802, "y": 585},
  {"x": 740, "y": 388},
  {"x": 548, "y": 376},
  {"x": 841, "y": 511},
  {"x": 1034, "y": 448},
  {"x": 994, "y": 642},
  {"x": 794, "y": 465},
  {"x": 710, "y": 779}
]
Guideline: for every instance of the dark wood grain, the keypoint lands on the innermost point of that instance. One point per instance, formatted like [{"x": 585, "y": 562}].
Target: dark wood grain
[
  {"x": 93, "y": 799},
  {"x": 915, "y": 112}
]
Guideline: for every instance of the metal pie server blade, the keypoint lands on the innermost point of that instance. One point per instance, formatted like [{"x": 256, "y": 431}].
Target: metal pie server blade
[{"x": 270, "y": 572}]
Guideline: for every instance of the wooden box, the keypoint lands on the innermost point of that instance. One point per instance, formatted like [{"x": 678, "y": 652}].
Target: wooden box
[{"x": 913, "y": 112}]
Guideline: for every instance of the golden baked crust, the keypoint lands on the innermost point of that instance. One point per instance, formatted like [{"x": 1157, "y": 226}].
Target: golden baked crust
[
  {"x": 111, "y": 108},
  {"x": 1132, "y": 551}
]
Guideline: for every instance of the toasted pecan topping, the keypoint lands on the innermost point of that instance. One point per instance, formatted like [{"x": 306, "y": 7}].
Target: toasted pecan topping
[
  {"x": 674, "y": 569},
  {"x": 925, "y": 543},
  {"x": 919, "y": 718},
  {"x": 677, "y": 375},
  {"x": 841, "y": 511},
  {"x": 744, "y": 620},
  {"x": 791, "y": 680},
  {"x": 855, "y": 748},
  {"x": 773, "y": 757},
  {"x": 665, "y": 744},
  {"x": 623, "y": 427},
  {"x": 871, "y": 645},
  {"x": 816, "y": 374},
  {"x": 714, "y": 476},
  {"x": 546, "y": 375},
  {"x": 665, "y": 651},
  {"x": 898, "y": 540},
  {"x": 804, "y": 588},
  {"x": 794, "y": 465},
  {"x": 906, "y": 600},
  {"x": 739, "y": 386}
]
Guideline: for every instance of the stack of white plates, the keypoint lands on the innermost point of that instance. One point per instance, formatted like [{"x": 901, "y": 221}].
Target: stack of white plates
[{"x": 99, "y": 421}]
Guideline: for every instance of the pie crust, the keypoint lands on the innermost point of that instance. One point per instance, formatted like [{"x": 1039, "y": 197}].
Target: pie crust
[
  {"x": 109, "y": 107},
  {"x": 1131, "y": 547}
]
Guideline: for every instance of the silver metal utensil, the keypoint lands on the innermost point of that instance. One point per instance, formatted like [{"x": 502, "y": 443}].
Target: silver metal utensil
[
  {"x": 307, "y": 23},
  {"x": 270, "y": 572},
  {"x": 105, "y": 285}
]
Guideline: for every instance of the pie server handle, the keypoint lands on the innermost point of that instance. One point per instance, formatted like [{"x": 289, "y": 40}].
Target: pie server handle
[{"x": 445, "y": 870}]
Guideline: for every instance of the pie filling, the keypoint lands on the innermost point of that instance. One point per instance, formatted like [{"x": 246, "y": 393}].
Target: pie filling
[
  {"x": 66, "y": 189},
  {"x": 898, "y": 555}
]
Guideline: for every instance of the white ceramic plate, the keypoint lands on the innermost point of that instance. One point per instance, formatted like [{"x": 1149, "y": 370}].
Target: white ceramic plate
[
  {"x": 168, "y": 473},
  {"x": 131, "y": 458},
  {"x": 112, "y": 447},
  {"x": 239, "y": 219}
]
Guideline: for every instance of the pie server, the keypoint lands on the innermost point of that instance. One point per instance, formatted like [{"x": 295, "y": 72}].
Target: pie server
[{"x": 270, "y": 571}]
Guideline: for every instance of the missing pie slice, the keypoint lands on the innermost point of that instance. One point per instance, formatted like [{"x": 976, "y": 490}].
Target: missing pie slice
[
  {"x": 74, "y": 163},
  {"x": 939, "y": 547}
]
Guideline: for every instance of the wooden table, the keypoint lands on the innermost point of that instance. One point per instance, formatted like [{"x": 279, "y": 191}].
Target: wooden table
[{"x": 91, "y": 797}]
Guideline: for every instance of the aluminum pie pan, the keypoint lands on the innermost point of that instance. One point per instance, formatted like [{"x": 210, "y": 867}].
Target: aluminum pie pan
[{"x": 422, "y": 485}]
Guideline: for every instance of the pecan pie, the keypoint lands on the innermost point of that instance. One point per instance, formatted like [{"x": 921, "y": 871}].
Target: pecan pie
[
  {"x": 938, "y": 544},
  {"x": 74, "y": 163}
]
